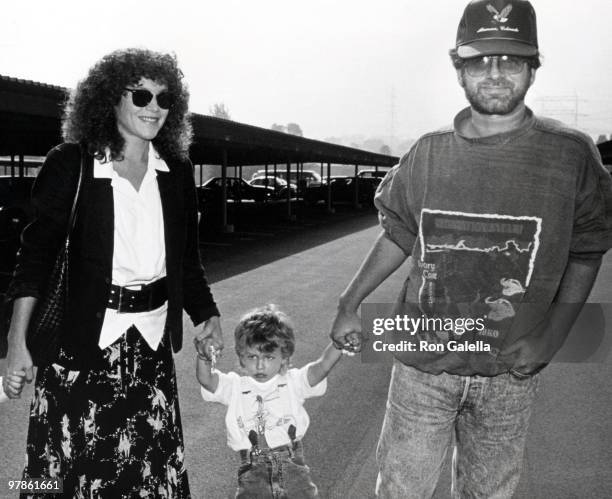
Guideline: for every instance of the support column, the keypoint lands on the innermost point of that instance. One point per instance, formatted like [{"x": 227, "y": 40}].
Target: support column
[
  {"x": 290, "y": 216},
  {"x": 328, "y": 201},
  {"x": 239, "y": 176},
  {"x": 266, "y": 183},
  {"x": 225, "y": 227},
  {"x": 356, "y": 189}
]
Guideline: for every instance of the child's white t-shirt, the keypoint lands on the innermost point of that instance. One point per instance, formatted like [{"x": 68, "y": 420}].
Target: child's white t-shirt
[
  {"x": 3, "y": 397},
  {"x": 276, "y": 404}
]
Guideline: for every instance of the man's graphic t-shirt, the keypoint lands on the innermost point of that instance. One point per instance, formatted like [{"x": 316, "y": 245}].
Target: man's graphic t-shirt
[{"x": 491, "y": 224}]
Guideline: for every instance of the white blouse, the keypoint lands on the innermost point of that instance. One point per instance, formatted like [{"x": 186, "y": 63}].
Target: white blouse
[{"x": 139, "y": 251}]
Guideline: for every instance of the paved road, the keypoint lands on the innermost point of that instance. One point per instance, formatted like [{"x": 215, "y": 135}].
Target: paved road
[{"x": 569, "y": 451}]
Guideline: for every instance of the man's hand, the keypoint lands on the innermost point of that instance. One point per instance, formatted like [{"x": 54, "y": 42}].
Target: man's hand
[
  {"x": 210, "y": 337},
  {"x": 346, "y": 331},
  {"x": 529, "y": 354},
  {"x": 18, "y": 365}
]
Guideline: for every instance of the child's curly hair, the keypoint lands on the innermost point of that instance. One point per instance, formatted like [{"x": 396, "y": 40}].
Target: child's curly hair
[
  {"x": 89, "y": 113},
  {"x": 265, "y": 328}
]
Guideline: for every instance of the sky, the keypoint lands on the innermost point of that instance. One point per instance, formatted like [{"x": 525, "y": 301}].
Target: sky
[{"x": 337, "y": 68}]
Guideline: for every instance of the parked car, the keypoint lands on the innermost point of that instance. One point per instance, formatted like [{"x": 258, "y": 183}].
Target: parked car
[
  {"x": 306, "y": 177},
  {"x": 15, "y": 213},
  {"x": 373, "y": 173},
  {"x": 343, "y": 190},
  {"x": 278, "y": 184},
  {"x": 237, "y": 190}
]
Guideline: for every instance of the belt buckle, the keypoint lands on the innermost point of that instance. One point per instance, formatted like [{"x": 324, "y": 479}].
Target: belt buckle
[
  {"x": 149, "y": 288},
  {"x": 120, "y": 298}
]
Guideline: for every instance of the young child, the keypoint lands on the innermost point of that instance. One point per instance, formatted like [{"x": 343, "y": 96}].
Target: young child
[
  {"x": 14, "y": 383},
  {"x": 266, "y": 419}
]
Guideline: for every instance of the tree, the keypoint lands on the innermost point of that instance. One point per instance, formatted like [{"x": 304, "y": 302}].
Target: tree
[
  {"x": 220, "y": 110},
  {"x": 278, "y": 128},
  {"x": 385, "y": 149},
  {"x": 294, "y": 129}
]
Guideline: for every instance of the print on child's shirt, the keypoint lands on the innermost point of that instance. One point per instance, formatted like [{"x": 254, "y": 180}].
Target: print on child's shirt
[{"x": 269, "y": 414}]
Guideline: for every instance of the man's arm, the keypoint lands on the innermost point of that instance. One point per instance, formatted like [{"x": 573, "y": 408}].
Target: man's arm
[
  {"x": 383, "y": 259},
  {"x": 574, "y": 289}
]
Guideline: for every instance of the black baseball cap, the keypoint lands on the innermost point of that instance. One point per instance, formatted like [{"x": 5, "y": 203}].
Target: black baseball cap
[{"x": 490, "y": 27}]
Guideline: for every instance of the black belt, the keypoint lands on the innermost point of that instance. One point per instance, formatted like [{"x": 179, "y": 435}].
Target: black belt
[
  {"x": 149, "y": 297},
  {"x": 283, "y": 449}
]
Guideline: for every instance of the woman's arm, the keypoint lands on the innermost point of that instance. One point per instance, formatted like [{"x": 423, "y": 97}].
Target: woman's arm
[
  {"x": 18, "y": 357},
  {"x": 319, "y": 370},
  {"x": 52, "y": 197},
  {"x": 198, "y": 299}
]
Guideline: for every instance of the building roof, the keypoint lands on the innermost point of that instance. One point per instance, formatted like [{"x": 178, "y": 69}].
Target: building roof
[
  {"x": 30, "y": 116},
  {"x": 605, "y": 149}
]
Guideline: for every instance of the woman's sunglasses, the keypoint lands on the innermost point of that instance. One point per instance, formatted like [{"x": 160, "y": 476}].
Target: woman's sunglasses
[{"x": 141, "y": 98}]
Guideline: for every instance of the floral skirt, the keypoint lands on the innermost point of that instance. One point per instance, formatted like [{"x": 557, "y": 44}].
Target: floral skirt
[{"x": 113, "y": 432}]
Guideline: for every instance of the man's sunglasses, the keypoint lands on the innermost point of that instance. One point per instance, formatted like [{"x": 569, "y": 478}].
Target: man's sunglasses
[
  {"x": 141, "y": 98},
  {"x": 509, "y": 64}
]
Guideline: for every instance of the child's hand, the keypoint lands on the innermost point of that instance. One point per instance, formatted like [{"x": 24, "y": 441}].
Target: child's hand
[
  {"x": 13, "y": 384},
  {"x": 207, "y": 348},
  {"x": 353, "y": 343},
  {"x": 346, "y": 331}
]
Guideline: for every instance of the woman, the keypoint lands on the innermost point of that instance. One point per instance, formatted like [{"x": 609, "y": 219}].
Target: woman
[{"x": 105, "y": 415}]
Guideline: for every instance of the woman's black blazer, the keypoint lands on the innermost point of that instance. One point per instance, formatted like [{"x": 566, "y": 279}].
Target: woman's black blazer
[{"x": 91, "y": 256}]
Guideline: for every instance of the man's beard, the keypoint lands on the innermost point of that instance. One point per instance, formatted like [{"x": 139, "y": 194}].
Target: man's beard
[{"x": 501, "y": 103}]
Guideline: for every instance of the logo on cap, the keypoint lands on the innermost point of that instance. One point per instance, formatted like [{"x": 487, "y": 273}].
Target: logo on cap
[
  {"x": 500, "y": 17},
  {"x": 490, "y": 27}
]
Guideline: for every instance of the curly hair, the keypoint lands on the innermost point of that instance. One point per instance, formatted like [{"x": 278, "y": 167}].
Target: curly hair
[
  {"x": 265, "y": 328},
  {"x": 534, "y": 62},
  {"x": 89, "y": 113}
]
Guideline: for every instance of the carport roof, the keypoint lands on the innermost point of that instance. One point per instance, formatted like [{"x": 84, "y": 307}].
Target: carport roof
[
  {"x": 605, "y": 149},
  {"x": 30, "y": 114}
]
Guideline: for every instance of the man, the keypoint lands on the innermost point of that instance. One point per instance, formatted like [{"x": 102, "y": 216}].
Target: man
[{"x": 505, "y": 215}]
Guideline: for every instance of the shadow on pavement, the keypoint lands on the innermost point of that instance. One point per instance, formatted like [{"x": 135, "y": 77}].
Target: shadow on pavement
[{"x": 263, "y": 234}]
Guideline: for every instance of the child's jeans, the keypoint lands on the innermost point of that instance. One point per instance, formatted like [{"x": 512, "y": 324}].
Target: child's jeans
[{"x": 278, "y": 473}]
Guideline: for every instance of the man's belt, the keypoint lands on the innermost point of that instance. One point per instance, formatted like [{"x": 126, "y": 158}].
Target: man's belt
[{"x": 149, "y": 297}]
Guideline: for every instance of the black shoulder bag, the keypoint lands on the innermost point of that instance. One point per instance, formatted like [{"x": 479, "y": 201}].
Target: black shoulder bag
[{"x": 48, "y": 317}]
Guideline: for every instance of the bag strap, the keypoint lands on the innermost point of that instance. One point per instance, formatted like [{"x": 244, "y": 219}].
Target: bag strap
[{"x": 72, "y": 219}]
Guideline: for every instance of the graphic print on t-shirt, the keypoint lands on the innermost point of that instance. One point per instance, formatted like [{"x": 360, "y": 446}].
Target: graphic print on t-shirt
[
  {"x": 476, "y": 265},
  {"x": 267, "y": 413}
]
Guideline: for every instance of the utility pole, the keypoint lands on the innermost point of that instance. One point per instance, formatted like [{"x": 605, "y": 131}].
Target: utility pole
[
  {"x": 565, "y": 108},
  {"x": 392, "y": 121}
]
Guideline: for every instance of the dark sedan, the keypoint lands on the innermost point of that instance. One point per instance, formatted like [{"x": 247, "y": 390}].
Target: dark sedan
[
  {"x": 237, "y": 190},
  {"x": 278, "y": 185}
]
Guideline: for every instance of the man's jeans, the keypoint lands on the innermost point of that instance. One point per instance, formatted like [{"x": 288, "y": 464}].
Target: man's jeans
[{"x": 488, "y": 416}]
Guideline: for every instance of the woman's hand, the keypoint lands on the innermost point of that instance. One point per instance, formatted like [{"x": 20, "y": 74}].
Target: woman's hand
[
  {"x": 12, "y": 384},
  {"x": 211, "y": 337},
  {"x": 18, "y": 357},
  {"x": 18, "y": 365}
]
